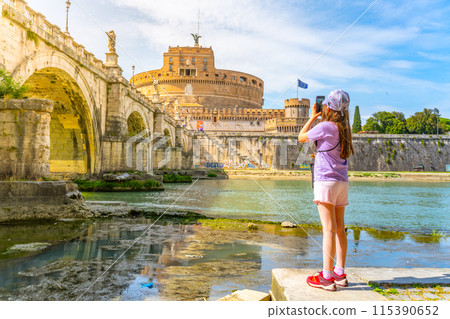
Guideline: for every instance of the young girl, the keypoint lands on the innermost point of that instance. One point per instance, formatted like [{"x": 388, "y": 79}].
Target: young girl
[{"x": 334, "y": 146}]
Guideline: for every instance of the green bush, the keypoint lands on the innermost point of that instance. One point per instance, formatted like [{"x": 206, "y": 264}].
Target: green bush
[
  {"x": 176, "y": 178},
  {"x": 10, "y": 88},
  {"x": 212, "y": 175}
]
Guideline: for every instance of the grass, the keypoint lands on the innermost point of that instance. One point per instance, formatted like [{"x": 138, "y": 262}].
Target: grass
[
  {"x": 176, "y": 178},
  {"x": 371, "y": 174},
  {"x": 125, "y": 186},
  {"x": 384, "y": 292}
]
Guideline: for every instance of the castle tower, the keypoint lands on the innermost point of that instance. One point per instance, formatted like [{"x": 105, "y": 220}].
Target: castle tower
[
  {"x": 296, "y": 109},
  {"x": 189, "y": 75}
]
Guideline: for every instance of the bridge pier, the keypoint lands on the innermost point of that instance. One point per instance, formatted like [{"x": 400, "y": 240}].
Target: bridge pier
[{"x": 25, "y": 138}]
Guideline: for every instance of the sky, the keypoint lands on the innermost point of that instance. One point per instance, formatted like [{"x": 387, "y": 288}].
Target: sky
[{"x": 396, "y": 57}]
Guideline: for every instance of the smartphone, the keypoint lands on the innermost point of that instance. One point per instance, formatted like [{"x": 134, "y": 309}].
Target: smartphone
[{"x": 319, "y": 100}]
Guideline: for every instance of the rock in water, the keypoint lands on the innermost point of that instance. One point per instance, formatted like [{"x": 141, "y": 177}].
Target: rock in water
[
  {"x": 288, "y": 225},
  {"x": 29, "y": 247},
  {"x": 252, "y": 226}
]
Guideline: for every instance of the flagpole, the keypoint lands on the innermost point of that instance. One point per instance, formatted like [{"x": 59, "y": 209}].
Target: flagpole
[{"x": 297, "y": 89}]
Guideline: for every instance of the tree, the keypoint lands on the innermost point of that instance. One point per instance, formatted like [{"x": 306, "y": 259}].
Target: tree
[
  {"x": 422, "y": 123},
  {"x": 10, "y": 88},
  {"x": 371, "y": 125},
  {"x": 397, "y": 127},
  {"x": 386, "y": 122},
  {"x": 356, "y": 121},
  {"x": 444, "y": 124}
]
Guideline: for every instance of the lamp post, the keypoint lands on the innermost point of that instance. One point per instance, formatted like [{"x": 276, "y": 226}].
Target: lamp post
[
  {"x": 133, "y": 67},
  {"x": 235, "y": 123},
  {"x": 436, "y": 112},
  {"x": 67, "y": 16}
]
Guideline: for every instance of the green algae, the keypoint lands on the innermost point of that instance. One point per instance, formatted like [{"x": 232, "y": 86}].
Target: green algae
[
  {"x": 23, "y": 233},
  {"x": 124, "y": 186}
]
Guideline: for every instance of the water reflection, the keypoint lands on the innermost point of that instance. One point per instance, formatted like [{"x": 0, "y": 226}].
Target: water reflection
[{"x": 185, "y": 262}]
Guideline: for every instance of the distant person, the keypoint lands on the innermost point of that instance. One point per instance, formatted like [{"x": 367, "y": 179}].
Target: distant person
[{"x": 334, "y": 146}]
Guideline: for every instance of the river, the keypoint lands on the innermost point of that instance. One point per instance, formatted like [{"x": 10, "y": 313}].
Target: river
[{"x": 129, "y": 259}]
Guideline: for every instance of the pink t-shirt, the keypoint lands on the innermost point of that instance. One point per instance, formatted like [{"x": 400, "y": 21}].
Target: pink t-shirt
[{"x": 328, "y": 166}]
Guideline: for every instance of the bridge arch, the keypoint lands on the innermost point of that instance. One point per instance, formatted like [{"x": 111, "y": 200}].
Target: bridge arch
[
  {"x": 74, "y": 128},
  {"x": 136, "y": 119},
  {"x": 169, "y": 131}
]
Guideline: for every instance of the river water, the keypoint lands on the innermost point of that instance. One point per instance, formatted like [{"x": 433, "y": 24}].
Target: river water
[
  {"x": 414, "y": 207},
  {"x": 126, "y": 259}
]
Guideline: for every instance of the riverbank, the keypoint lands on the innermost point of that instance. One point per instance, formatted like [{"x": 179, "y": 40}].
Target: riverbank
[{"x": 353, "y": 175}]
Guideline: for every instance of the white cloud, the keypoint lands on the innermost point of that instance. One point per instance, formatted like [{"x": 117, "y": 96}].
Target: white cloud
[
  {"x": 399, "y": 64},
  {"x": 387, "y": 108},
  {"x": 278, "y": 40}
]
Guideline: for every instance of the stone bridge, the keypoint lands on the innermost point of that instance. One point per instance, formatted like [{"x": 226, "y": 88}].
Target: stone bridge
[{"x": 95, "y": 110}]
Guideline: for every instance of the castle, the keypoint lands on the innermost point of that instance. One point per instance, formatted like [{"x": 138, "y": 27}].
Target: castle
[{"x": 216, "y": 100}]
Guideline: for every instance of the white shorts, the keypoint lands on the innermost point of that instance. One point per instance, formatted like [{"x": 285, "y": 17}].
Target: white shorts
[{"x": 331, "y": 192}]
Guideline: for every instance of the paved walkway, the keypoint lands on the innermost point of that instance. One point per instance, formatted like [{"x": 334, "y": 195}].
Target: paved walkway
[
  {"x": 385, "y": 284},
  {"x": 409, "y": 284}
]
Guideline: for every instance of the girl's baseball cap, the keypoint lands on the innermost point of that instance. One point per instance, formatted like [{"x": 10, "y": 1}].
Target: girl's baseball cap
[{"x": 337, "y": 100}]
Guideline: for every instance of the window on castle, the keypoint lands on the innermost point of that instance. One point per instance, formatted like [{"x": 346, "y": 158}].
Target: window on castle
[
  {"x": 233, "y": 77},
  {"x": 204, "y": 68},
  {"x": 205, "y": 60},
  {"x": 193, "y": 60},
  {"x": 243, "y": 79},
  {"x": 181, "y": 60},
  {"x": 188, "y": 72},
  {"x": 170, "y": 60},
  {"x": 170, "y": 68}
]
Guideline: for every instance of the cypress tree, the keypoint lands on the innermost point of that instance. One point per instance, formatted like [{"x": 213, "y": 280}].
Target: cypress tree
[{"x": 356, "y": 121}]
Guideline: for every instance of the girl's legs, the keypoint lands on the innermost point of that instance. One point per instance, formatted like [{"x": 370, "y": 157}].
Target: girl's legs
[
  {"x": 341, "y": 238},
  {"x": 329, "y": 228}
]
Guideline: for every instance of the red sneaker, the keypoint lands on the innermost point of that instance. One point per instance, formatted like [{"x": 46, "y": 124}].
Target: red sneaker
[
  {"x": 340, "y": 281},
  {"x": 317, "y": 281}
]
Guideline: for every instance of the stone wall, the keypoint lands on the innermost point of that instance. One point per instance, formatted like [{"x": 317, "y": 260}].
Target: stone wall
[
  {"x": 400, "y": 152},
  {"x": 279, "y": 151},
  {"x": 25, "y": 138}
]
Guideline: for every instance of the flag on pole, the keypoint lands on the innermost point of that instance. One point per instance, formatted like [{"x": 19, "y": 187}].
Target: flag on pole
[{"x": 302, "y": 85}]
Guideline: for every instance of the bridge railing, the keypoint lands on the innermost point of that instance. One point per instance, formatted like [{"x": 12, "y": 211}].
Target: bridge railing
[{"x": 36, "y": 22}]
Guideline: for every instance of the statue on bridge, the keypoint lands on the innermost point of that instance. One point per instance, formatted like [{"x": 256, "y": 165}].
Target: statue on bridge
[{"x": 111, "y": 41}]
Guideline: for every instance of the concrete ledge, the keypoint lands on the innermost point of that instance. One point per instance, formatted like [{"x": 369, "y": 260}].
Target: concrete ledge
[
  {"x": 403, "y": 276},
  {"x": 290, "y": 285},
  {"x": 247, "y": 295},
  {"x": 30, "y": 193}
]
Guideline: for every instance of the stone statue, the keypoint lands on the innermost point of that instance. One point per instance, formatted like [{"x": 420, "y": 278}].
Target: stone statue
[
  {"x": 196, "y": 38},
  {"x": 111, "y": 41}
]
